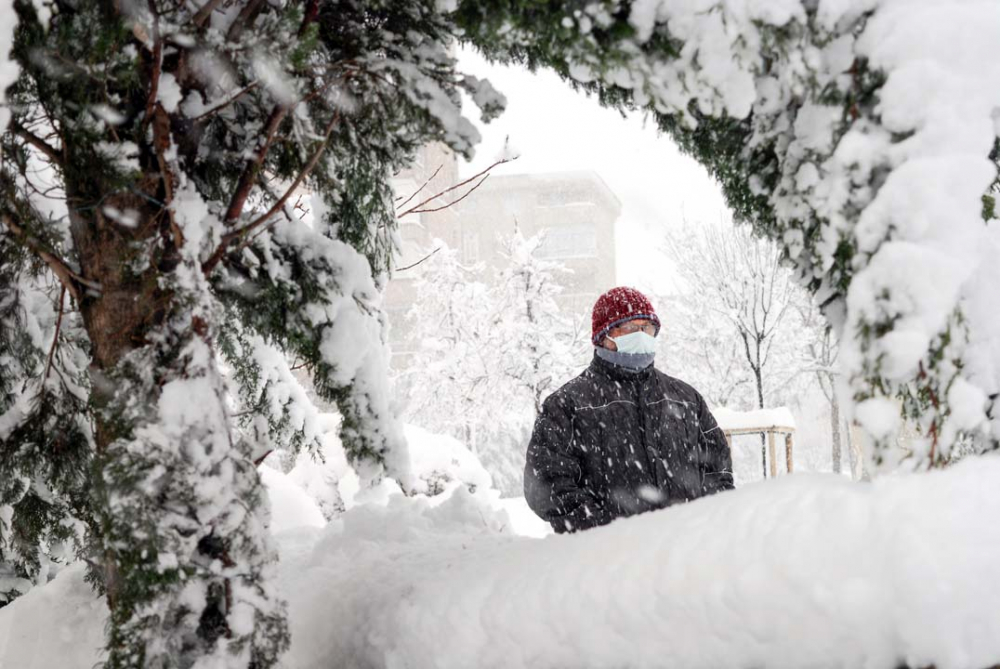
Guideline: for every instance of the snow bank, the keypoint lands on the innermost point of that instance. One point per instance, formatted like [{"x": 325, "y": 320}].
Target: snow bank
[
  {"x": 291, "y": 506},
  {"x": 59, "y": 625},
  {"x": 523, "y": 520},
  {"x": 801, "y": 571},
  {"x": 439, "y": 462}
]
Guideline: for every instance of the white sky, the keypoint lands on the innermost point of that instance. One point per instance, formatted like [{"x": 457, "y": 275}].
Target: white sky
[{"x": 557, "y": 129}]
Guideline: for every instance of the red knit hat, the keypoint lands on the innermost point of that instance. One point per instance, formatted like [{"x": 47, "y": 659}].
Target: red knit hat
[{"x": 618, "y": 306}]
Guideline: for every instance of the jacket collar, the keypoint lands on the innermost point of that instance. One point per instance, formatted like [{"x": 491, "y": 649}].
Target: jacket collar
[{"x": 615, "y": 372}]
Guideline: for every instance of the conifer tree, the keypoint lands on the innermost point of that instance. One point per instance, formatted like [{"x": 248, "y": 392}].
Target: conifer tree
[{"x": 149, "y": 164}]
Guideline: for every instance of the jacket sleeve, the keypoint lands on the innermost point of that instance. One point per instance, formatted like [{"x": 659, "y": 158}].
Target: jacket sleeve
[
  {"x": 553, "y": 472},
  {"x": 716, "y": 460}
]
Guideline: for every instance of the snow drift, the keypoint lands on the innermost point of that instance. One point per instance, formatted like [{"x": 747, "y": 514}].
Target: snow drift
[{"x": 799, "y": 571}]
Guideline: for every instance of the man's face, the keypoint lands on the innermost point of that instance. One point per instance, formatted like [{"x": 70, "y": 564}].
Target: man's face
[{"x": 628, "y": 327}]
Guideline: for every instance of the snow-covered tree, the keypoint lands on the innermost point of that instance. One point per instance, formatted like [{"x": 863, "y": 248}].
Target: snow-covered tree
[
  {"x": 535, "y": 340},
  {"x": 698, "y": 344},
  {"x": 820, "y": 351},
  {"x": 488, "y": 341},
  {"x": 449, "y": 385},
  {"x": 532, "y": 348},
  {"x": 735, "y": 315},
  {"x": 151, "y": 152}
]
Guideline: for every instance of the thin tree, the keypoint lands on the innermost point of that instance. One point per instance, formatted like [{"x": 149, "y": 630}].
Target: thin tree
[
  {"x": 822, "y": 352},
  {"x": 741, "y": 279}
]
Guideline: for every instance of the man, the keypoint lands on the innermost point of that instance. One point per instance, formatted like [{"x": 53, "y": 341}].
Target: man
[{"x": 622, "y": 437}]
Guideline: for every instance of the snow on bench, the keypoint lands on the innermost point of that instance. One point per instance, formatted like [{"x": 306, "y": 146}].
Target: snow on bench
[{"x": 778, "y": 420}]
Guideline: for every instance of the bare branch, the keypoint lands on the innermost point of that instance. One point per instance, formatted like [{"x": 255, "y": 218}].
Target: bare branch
[
  {"x": 464, "y": 182},
  {"x": 453, "y": 202},
  {"x": 416, "y": 192},
  {"x": 403, "y": 269}
]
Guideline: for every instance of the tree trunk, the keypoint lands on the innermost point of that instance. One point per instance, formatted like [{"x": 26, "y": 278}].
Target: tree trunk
[
  {"x": 117, "y": 318},
  {"x": 760, "y": 405},
  {"x": 139, "y": 331},
  {"x": 858, "y": 469},
  {"x": 835, "y": 428}
]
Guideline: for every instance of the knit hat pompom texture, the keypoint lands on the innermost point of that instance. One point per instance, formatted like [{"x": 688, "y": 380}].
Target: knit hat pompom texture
[{"x": 620, "y": 305}]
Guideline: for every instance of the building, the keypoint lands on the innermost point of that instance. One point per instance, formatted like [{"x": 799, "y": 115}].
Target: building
[{"x": 576, "y": 210}]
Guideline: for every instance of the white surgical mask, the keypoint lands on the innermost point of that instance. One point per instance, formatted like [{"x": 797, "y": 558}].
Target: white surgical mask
[{"x": 636, "y": 342}]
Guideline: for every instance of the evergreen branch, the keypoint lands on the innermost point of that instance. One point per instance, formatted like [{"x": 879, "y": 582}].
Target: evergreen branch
[
  {"x": 249, "y": 176},
  {"x": 66, "y": 276},
  {"x": 161, "y": 142},
  {"x": 50, "y": 151},
  {"x": 310, "y": 15},
  {"x": 154, "y": 77},
  {"x": 280, "y": 204},
  {"x": 205, "y": 12},
  {"x": 246, "y": 17},
  {"x": 266, "y": 187},
  {"x": 231, "y": 237},
  {"x": 55, "y": 338}
]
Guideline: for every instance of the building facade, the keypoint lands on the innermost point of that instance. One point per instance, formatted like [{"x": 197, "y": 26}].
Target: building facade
[{"x": 576, "y": 212}]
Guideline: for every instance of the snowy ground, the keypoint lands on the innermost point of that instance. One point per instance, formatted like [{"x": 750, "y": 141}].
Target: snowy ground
[{"x": 801, "y": 571}]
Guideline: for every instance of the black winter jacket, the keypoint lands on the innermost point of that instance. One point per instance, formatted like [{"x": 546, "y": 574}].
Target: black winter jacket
[{"x": 614, "y": 442}]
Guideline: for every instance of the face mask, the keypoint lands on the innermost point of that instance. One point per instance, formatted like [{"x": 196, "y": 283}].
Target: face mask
[{"x": 636, "y": 342}]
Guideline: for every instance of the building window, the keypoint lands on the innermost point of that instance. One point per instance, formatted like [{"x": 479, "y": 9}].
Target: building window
[
  {"x": 470, "y": 247},
  {"x": 551, "y": 199},
  {"x": 570, "y": 241}
]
